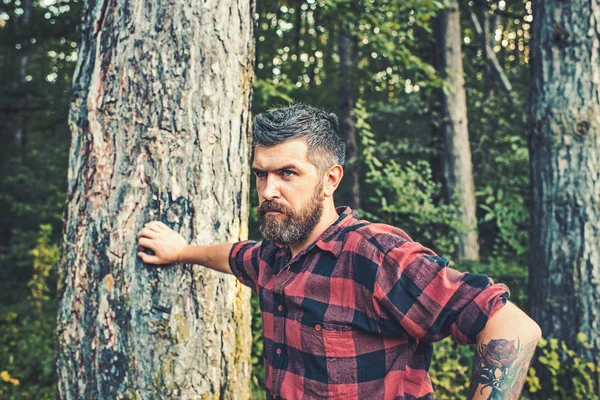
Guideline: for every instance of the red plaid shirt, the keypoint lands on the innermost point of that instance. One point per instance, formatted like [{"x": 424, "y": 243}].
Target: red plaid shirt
[{"x": 354, "y": 315}]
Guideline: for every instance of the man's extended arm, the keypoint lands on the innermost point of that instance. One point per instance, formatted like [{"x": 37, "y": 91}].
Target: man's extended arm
[
  {"x": 170, "y": 247},
  {"x": 504, "y": 350}
]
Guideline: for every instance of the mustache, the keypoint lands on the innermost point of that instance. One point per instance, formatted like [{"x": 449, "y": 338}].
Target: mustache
[{"x": 270, "y": 205}]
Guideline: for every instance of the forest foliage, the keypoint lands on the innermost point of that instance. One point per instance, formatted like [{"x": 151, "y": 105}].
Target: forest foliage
[{"x": 395, "y": 89}]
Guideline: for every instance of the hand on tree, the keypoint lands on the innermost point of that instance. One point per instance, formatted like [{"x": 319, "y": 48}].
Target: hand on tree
[{"x": 163, "y": 241}]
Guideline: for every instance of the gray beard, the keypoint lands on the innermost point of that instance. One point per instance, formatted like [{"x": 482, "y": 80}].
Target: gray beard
[{"x": 291, "y": 228}]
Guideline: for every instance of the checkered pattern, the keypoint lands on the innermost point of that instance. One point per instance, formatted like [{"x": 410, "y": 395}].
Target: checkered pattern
[{"x": 354, "y": 315}]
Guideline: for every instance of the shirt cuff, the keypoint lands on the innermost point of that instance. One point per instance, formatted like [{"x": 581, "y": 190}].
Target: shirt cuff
[
  {"x": 475, "y": 316},
  {"x": 240, "y": 260}
]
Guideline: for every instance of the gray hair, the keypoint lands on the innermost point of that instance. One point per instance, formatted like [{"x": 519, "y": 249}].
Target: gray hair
[{"x": 326, "y": 147}]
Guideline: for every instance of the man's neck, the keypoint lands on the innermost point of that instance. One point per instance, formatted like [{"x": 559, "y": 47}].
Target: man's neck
[{"x": 327, "y": 219}]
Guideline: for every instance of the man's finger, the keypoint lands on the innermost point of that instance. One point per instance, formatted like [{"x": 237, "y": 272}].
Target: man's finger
[
  {"x": 156, "y": 226},
  {"x": 146, "y": 232},
  {"x": 153, "y": 227},
  {"x": 148, "y": 259},
  {"x": 146, "y": 243}
]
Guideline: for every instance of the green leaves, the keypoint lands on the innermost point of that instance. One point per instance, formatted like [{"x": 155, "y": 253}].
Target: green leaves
[
  {"x": 258, "y": 372},
  {"x": 562, "y": 363},
  {"x": 27, "y": 345},
  {"x": 450, "y": 369},
  {"x": 507, "y": 212},
  {"x": 405, "y": 195}
]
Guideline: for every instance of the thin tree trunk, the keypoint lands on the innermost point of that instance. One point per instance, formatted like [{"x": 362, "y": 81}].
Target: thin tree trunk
[
  {"x": 564, "y": 115},
  {"x": 347, "y": 128},
  {"x": 330, "y": 64},
  {"x": 298, "y": 27},
  {"x": 493, "y": 27},
  {"x": 316, "y": 21},
  {"x": 257, "y": 31},
  {"x": 436, "y": 141},
  {"x": 484, "y": 39},
  {"x": 159, "y": 120},
  {"x": 20, "y": 129},
  {"x": 458, "y": 169}
]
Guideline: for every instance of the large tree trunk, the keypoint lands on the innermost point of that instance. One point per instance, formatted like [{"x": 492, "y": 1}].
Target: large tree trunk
[
  {"x": 347, "y": 129},
  {"x": 564, "y": 269},
  {"x": 458, "y": 169},
  {"x": 160, "y": 120}
]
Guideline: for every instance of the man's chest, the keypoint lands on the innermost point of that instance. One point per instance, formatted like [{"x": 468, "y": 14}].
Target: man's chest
[{"x": 331, "y": 292}]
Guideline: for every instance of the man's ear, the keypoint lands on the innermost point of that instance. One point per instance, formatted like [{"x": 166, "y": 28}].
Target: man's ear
[{"x": 332, "y": 177}]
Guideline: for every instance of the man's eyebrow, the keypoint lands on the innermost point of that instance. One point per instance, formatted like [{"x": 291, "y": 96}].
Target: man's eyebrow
[{"x": 288, "y": 166}]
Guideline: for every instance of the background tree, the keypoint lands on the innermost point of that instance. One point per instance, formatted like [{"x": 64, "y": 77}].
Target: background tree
[
  {"x": 21, "y": 76},
  {"x": 564, "y": 118},
  {"x": 458, "y": 167},
  {"x": 347, "y": 129},
  {"x": 497, "y": 130},
  {"x": 160, "y": 118}
]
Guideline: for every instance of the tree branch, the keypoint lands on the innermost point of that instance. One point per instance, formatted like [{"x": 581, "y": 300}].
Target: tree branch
[
  {"x": 493, "y": 61},
  {"x": 498, "y": 11}
]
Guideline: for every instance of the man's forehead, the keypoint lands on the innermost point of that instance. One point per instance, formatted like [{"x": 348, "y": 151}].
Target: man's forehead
[
  {"x": 278, "y": 162},
  {"x": 289, "y": 153}
]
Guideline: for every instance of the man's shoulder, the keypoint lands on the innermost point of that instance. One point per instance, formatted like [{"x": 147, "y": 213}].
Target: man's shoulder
[{"x": 376, "y": 236}]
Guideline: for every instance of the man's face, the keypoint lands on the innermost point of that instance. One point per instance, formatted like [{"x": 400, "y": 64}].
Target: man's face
[{"x": 290, "y": 192}]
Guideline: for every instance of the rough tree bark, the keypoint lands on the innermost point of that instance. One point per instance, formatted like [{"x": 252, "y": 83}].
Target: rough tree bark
[
  {"x": 347, "y": 129},
  {"x": 160, "y": 121},
  {"x": 458, "y": 169},
  {"x": 564, "y": 115}
]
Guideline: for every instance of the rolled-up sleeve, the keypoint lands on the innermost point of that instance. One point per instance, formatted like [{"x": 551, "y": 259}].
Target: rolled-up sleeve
[
  {"x": 416, "y": 290},
  {"x": 244, "y": 262}
]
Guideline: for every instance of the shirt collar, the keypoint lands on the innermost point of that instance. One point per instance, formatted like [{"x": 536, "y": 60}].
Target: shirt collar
[{"x": 327, "y": 241}]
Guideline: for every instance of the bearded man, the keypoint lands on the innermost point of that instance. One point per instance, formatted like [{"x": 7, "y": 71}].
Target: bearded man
[{"x": 350, "y": 308}]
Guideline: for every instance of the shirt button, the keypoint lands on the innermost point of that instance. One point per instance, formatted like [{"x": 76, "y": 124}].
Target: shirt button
[
  {"x": 318, "y": 327},
  {"x": 278, "y": 351},
  {"x": 280, "y": 307}
]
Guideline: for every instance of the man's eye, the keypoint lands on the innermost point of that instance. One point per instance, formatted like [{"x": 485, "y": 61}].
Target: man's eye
[
  {"x": 260, "y": 174},
  {"x": 288, "y": 174}
]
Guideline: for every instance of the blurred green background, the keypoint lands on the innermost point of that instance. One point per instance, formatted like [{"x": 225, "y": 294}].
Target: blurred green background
[{"x": 395, "y": 90}]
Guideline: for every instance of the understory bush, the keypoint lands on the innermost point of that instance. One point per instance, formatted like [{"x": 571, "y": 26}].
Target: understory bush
[{"x": 27, "y": 352}]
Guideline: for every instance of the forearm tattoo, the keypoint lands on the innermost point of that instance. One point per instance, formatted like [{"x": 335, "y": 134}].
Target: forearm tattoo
[{"x": 500, "y": 368}]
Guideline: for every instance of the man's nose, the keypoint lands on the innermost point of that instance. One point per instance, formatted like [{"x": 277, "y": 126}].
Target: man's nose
[{"x": 271, "y": 189}]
